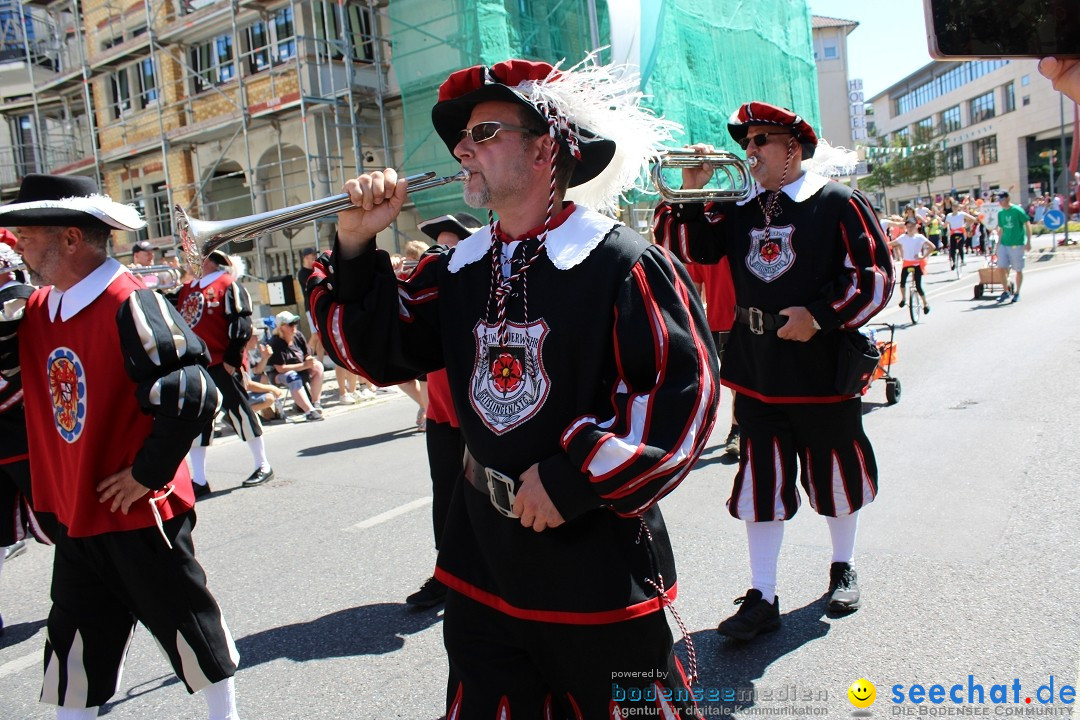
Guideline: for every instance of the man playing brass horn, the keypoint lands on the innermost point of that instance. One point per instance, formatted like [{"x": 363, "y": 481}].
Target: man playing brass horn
[
  {"x": 582, "y": 370},
  {"x": 809, "y": 264}
]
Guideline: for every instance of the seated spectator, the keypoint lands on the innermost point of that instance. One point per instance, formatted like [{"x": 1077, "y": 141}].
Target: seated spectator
[
  {"x": 295, "y": 366},
  {"x": 264, "y": 398}
]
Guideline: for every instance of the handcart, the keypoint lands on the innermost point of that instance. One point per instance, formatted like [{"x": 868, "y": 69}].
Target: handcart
[
  {"x": 992, "y": 279},
  {"x": 888, "y": 350}
]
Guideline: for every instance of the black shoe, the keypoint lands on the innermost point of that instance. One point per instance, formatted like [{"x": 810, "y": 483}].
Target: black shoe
[
  {"x": 201, "y": 491},
  {"x": 731, "y": 445},
  {"x": 259, "y": 477},
  {"x": 754, "y": 617},
  {"x": 902, "y": 303},
  {"x": 430, "y": 594},
  {"x": 15, "y": 550},
  {"x": 843, "y": 588}
]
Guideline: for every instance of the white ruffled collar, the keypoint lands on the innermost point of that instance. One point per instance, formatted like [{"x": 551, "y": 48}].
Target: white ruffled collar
[
  {"x": 802, "y": 189},
  {"x": 567, "y": 245},
  {"x": 84, "y": 292}
]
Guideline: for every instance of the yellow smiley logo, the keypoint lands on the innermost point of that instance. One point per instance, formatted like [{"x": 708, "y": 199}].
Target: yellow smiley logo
[{"x": 862, "y": 693}]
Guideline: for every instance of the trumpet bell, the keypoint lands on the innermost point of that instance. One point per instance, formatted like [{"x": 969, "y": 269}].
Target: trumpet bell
[
  {"x": 198, "y": 238},
  {"x": 735, "y": 182}
]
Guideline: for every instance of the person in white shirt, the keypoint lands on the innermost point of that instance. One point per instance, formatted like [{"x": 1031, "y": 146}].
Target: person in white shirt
[
  {"x": 955, "y": 221},
  {"x": 914, "y": 249}
]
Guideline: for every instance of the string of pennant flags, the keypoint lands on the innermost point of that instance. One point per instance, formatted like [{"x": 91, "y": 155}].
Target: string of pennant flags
[{"x": 877, "y": 151}]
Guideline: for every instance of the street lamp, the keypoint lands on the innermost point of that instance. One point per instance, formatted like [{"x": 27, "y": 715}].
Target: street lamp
[{"x": 1051, "y": 155}]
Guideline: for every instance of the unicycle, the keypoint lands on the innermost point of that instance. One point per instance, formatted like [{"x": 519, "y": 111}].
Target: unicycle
[{"x": 915, "y": 305}]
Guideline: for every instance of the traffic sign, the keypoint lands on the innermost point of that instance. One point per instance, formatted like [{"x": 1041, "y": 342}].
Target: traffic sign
[{"x": 1053, "y": 219}]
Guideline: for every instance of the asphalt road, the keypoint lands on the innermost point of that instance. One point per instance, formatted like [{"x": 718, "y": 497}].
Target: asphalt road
[{"x": 968, "y": 561}]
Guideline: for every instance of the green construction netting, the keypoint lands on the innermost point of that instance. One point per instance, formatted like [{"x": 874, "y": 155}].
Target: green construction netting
[{"x": 710, "y": 56}]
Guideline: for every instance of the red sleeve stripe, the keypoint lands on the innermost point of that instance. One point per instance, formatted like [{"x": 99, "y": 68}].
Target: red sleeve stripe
[
  {"x": 337, "y": 337},
  {"x": 12, "y": 401},
  {"x": 612, "y": 449}
]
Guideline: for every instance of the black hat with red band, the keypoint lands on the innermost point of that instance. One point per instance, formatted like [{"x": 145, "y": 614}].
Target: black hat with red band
[
  {"x": 761, "y": 113},
  {"x": 513, "y": 81}
]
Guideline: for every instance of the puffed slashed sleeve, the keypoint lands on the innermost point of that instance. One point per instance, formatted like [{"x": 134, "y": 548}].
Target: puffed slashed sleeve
[
  {"x": 864, "y": 281},
  {"x": 166, "y": 360},
  {"x": 12, "y": 304},
  {"x": 238, "y": 315},
  {"x": 693, "y": 232},
  {"x": 374, "y": 324},
  {"x": 663, "y": 404}
]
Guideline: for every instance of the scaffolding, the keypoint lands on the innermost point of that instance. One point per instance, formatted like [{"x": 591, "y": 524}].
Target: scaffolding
[
  {"x": 230, "y": 108},
  {"x": 223, "y": 108}
]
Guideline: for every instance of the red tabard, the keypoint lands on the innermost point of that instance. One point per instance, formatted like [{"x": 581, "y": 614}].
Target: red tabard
[
  {"x": 440, "y": 407},
  {"x": 203, "y": 309},
  {"x": 82, "y": 417}
]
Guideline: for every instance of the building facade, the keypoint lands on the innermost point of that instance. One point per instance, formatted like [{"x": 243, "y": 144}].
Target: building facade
[
  {"x": 840, "y": 125},
  {"x": 989, "y": 121}
]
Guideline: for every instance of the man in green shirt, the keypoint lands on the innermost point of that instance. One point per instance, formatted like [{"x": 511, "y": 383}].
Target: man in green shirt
[{"x": 1015, "y": 240}]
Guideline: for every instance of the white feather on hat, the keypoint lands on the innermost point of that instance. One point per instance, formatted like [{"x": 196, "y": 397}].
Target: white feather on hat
[{"x": 605, "y": 100}]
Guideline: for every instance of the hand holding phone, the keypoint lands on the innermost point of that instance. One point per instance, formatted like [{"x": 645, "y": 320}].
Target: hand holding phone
[{"x": 980, "y": 29}]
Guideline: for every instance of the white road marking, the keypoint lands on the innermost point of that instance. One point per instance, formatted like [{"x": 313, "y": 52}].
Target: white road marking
[
  {"x": 13, "y": 666},
  {"x": 391, "y": 514}
]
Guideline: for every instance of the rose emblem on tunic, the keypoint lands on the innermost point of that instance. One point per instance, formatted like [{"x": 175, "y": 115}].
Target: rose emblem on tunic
[
  {"x": 506, "y": 373},
  {"x": 770, "y": 251}
]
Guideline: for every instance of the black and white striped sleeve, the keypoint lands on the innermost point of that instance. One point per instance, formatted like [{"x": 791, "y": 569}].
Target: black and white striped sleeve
[
  {"x": 12, "y": 304},
  {"x": 166, "y": 360},
  {"x": 663, "y": 402},
  {"x": 238, "y": 315}
]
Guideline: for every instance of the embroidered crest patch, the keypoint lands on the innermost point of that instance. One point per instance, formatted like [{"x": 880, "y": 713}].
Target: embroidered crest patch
[
  {"x": 769, "y": 258},
  {"x": 67, "y": 388},
  {"x": 192, "y": 308},
  {"x": 509, "y": 384}
]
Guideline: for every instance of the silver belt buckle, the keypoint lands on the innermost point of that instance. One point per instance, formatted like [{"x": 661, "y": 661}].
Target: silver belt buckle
[
  {"x": 757, "y": 325},
  {"x": 501, "y": 491}
]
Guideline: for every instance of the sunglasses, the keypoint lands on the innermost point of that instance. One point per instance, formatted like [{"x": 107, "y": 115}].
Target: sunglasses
[
  {"x": 759, "y": 138},
  {"x": 484, "y": 131}
]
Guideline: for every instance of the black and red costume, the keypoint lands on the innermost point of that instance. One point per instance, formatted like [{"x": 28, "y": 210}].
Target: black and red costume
[
  {"x": 607, "y": 380},
  {"x": 218, "y": 309},
  {"x": 17, "y": 517},
  {"x": 825, "y": 252},
  {"x": 98, "y": 402}
]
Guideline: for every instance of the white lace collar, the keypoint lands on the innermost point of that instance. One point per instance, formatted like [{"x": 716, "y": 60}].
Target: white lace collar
[
  {"x": 805, "y": 187},
  {"x": 567, "y": 245}
]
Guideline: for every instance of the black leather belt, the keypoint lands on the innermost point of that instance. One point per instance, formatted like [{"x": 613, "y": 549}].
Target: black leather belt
[
  {"x": 758, "y": 320},
  {"x": 498, "y": 487}
]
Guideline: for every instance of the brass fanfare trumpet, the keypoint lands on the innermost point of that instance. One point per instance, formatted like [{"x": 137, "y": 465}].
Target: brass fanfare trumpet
[
  {"x": 158, "y": 277},
  {"x": 733, "y": 167},
  {"x": 199, "y": 238}
]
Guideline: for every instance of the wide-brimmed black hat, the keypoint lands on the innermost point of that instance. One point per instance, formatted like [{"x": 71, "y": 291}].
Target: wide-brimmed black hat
[
  {"x": 511, "y": 81},
  {"x": 461, "y": 224},
  {"x": 67, "y": 201},
  {"x": 220, "y": 257}
]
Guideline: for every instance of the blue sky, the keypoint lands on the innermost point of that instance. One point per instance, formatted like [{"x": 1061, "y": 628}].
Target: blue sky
[{"x": 888, "y": 45}]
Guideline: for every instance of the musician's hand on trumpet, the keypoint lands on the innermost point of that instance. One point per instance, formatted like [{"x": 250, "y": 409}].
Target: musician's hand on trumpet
[
  {"x": 695, "y": 178},
  {"x": 378, "y": 198}
]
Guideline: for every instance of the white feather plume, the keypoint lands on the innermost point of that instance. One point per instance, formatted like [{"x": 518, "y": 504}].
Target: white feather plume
[
  {"x": 605, "y": 100},
  {"x": 237, "y": 267},
  {"x": 831, "y": 161}
]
